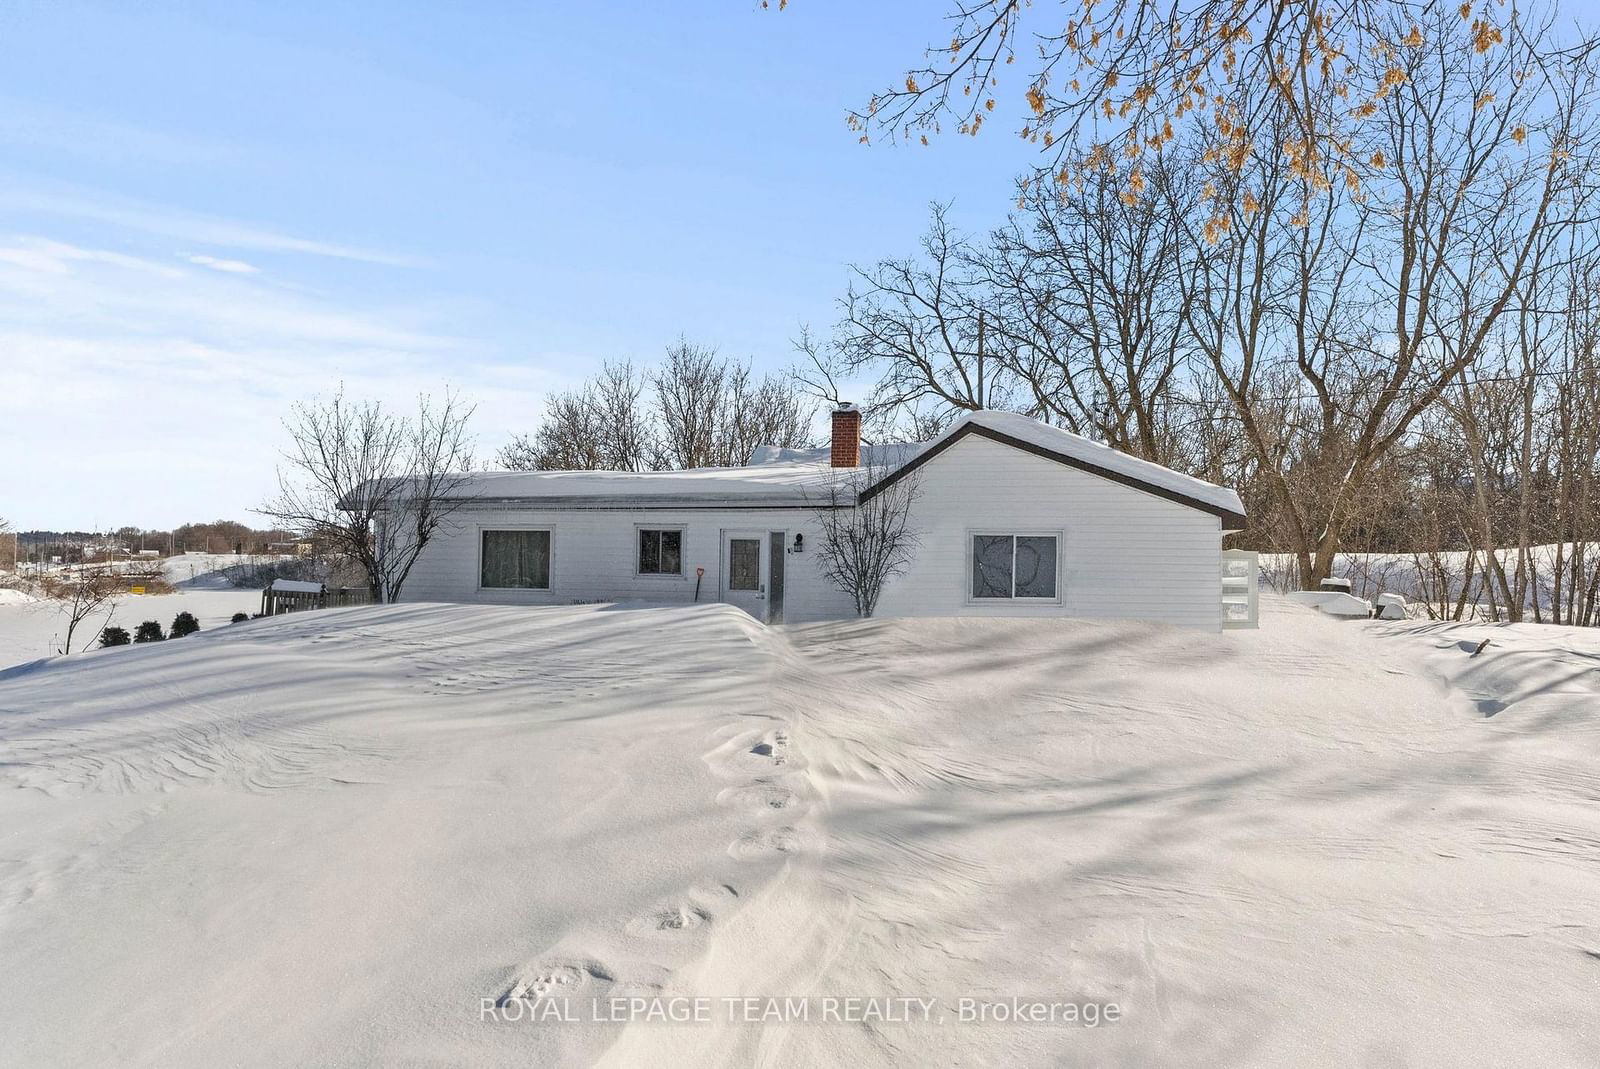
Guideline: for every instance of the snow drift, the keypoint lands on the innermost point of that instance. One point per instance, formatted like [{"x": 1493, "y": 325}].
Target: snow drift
[{"x": 337, "y": 837}]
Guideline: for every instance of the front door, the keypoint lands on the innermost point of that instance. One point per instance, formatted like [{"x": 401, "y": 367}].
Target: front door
[{"x": 744, "y": 571}]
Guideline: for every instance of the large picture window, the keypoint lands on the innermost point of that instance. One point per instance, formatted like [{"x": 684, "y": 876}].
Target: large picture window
[
  {"x": 516, "y": 560},
  {"x": 1013, "y": 566},
  {"x": 660, "y": 551}
]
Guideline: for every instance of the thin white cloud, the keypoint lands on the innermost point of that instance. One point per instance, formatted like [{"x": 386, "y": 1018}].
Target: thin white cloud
[
  {"x": 42, "y": 255},
  {"x": 157, "y": 389},
  {"x": 232, "y": 267},
  {"x": 53, "y": 283},
  {"x": 188, "y": 227}
]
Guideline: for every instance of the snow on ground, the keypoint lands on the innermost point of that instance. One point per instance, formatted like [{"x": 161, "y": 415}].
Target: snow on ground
[
  {"x": 218, "y": 571},
  {"x": 202, "y": 570},
  {"x": 328, "y": 838},
  {"x": 1413, "y": 575},
  {"x": 33, "y": 629}
]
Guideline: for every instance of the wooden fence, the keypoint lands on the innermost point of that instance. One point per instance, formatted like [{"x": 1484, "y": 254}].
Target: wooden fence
[{"x": 278, "y": 602}]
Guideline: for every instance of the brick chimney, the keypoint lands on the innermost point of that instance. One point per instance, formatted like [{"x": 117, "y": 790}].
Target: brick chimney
[{"x": 846, "y": 436}]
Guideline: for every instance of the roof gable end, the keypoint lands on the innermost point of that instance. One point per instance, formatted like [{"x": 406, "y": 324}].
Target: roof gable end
[{"x": 1232, "y": 519}]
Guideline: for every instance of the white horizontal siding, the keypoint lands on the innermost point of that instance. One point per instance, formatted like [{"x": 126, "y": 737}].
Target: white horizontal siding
[
  {"x": 594, "y": 557},
  {"x": 1126, "y": 554}
]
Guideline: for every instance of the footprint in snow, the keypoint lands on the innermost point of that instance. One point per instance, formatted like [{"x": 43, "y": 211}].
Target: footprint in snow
[
  {"x": 670, "y": 922},
  {"x": 774, "y": 748},
  {"x": 765, "y": 844},
  {"x": 556, "y": 978},
  {"x": 761, "y": 797}
]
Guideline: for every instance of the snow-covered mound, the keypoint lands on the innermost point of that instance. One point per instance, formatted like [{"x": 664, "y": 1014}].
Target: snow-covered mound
[
  {"x": 1332, "y": 602},
  {"x": 324, "y": 838},
  {"x": 364, "y": 835}
]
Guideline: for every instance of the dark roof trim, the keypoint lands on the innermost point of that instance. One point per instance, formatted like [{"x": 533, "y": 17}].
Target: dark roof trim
[{"x": 1232, "y": 521}]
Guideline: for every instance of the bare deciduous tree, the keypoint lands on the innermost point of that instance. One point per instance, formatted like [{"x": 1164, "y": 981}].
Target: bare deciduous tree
[
  {"x": 1070, "y": 312},
  {"x": 374, "y": 485},
  {"x": 697, "y": 410},
  {"x": 1125, "y": 78},
  {"x": 713, "y": 412},
  {"x": 867, "y": 534},
  {"x": 1572, "y": 414},
  {"x": 927, "y": 325},
  {"x": 605, "y": 425},
  {"x": 1333, "y": 321},
  {"x": 1094, "y": 305},
  {"x": 82, "y": 596}
]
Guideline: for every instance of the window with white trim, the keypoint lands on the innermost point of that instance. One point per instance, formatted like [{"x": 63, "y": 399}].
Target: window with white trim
[
  {"x": 661, "y": 551},
  {"x": 515, "y": 560},
  {"x": 1014, "y": 567}
]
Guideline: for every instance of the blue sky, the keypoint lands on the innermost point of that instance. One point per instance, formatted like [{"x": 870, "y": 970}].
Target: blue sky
[{"x": 209, "y": 211}]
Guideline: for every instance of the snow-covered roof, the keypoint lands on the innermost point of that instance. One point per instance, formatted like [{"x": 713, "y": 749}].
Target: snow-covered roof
[
  {"x": 296, "y": 586},
  {"x": 785, "y": 478},
  {"x": 1027, "y": 433},
  {"x": 776, "y": 485},
  {"x": 882, "y": 454}
]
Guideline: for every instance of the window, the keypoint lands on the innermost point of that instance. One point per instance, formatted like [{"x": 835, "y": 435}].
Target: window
[
  {"x": 1013, "y": 566},
  {"x": 744, "y": 564},
  {"x": 660, "y": 551},
  {"x": 515, "y": 560}
]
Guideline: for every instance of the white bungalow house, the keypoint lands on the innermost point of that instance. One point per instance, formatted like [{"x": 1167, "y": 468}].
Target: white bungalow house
[{"x": 1013, "y": 518}]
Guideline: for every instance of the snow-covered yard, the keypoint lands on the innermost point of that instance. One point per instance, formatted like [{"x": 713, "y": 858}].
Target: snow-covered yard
[
  {"x": 31, "y": 629},
  {"x": 337, "y": 837}
]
